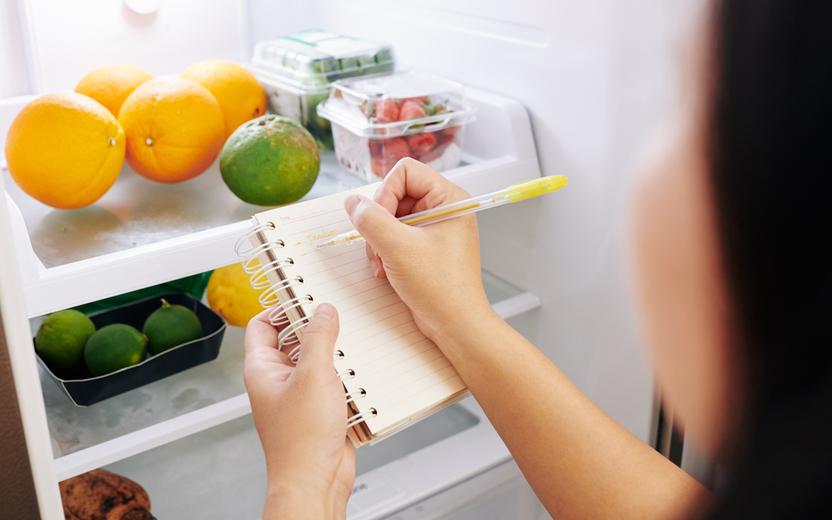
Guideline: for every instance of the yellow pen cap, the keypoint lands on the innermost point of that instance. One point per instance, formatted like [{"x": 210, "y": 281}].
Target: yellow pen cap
[{"x": 536, "y": 188}]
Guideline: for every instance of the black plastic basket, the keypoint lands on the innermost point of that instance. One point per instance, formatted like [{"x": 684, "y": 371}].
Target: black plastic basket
[{"x": 90, "y": 390}]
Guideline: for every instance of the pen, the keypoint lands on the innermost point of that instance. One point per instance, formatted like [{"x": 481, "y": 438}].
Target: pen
[{"x": 515, "y": 193}]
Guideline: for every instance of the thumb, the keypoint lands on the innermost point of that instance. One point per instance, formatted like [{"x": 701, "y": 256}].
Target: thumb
[
  {"x": 318, "y": 339},
  {"x": 378, "y": 227}
]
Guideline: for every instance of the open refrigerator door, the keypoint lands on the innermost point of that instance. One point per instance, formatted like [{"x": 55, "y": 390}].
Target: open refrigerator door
[{"x": 539, "y": 90}]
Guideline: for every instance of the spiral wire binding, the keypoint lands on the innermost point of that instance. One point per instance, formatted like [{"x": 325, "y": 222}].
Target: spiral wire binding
[
  {"x": 271, "y": 296},
  {"x": 360, "y": 417},
  {"x": 277, "y": 315},
  {"x": 289, "y": 336},
  {"x": 260, "y": 278},
  {"x": 252, "y": 262},
  {"x": 246, "y": 239},
  {"x": 353, "y": 398},
  {"x": 355, "y": 419},
  {"x": 259, "y": 272}
]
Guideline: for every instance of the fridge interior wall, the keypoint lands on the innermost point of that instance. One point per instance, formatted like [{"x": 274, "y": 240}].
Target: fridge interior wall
[{"x": 595, "y": 77}]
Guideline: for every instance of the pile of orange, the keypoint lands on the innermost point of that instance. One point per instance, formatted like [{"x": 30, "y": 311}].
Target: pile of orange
[{"x": 66, "y": 150}]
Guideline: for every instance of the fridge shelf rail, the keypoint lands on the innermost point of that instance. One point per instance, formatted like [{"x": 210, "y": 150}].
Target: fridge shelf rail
[
  {"x": 143, "y": 233},
  {"x": 181, "y": 405}
]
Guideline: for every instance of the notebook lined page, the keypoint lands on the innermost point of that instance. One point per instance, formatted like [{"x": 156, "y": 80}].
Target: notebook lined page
[{"x": 402, "y": 372}]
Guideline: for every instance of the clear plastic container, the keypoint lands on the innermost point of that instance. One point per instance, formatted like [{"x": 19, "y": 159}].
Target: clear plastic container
[
  {"x": 378, "y": 120},
  {"x": 297, "y": 71}
]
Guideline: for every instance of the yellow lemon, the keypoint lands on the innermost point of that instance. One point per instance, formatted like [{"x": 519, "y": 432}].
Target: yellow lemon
[{"x": 231, "y": 296}]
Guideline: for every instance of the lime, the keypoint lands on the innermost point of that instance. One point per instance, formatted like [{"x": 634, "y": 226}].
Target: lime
[
  {"x": 269, "y": 161},
  {"x": 169, "y": 326},
  {"x": 114, "y": 347},
  {"x": 61, "y": 338}
]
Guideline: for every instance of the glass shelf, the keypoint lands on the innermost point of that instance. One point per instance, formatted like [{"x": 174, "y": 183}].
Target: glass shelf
[
  {"x": 75, "y": 428},
  {"x": 219, "y": 473},
  {"x": 137, "y": 212},
  {"x": 156, "y": 232},
  {"x": 497, "y": 289}
]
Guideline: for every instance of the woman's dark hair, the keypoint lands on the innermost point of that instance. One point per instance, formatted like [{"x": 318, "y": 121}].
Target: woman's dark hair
[{"x": 770, "y": 152}]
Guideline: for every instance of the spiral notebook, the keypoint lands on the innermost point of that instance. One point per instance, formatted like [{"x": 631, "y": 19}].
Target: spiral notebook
[{"x": 393, "y": 375}]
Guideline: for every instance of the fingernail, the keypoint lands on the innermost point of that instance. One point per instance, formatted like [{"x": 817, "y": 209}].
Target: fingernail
[
  {"x": 351, "y": 203},
  {"x": 325, "y": 311}
]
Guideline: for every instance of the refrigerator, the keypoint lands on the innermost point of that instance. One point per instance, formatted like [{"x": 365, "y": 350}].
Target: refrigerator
[{"x": 559, "y": 87}]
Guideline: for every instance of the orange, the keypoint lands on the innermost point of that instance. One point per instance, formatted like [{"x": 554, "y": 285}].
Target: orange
[
  {"x": 110, "y": 85},
  {"x": 65, "y": 150},
  {"x": 174, "y": 129},
  {"x": 239, "y": 93}
]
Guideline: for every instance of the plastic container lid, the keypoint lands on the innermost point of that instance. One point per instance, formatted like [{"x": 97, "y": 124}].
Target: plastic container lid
[
  {"x": 311, "y": 60},
  {"x": 396, "y": 104}
]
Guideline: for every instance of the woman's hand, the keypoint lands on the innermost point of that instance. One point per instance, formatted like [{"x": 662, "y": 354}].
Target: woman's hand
[
  {"x": 301, "y": 416},
  {"x": 434, "y": 269}
]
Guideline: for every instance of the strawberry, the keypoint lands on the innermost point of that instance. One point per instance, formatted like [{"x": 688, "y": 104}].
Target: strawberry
[
  {"x": 431, "y": 155},
  {"x": 385, "y": 153},
  {"x": 394, "y": 149},
  {"x": 411, "y": 110},
  {"x": 387, "y": 111},
  {"x": 375, "y": 147},
  {"x": 450, "y": 132},
  {"x": 381, "y": 166},
  {"x": 421, "y": 143}
]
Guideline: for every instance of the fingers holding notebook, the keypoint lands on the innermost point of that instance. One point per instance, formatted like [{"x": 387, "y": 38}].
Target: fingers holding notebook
[
  {"x": 261, "y": 342},
  {"x": 422, "y": 263},
  {"x": 413, "y": 186},
  {"x": 383, "y": 362},
  {"x": 300, "y": 413},
  {"x": 410, "y": 186},
  {"x": 318, "y": 340}
]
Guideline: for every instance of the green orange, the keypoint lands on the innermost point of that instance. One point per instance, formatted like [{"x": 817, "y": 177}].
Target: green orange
[
  {"x": 270, "y": 160},
  {"x": 114, "y": 347},
  {"x": 170, "y": 326},
  {"x": 61, "y": 339}
]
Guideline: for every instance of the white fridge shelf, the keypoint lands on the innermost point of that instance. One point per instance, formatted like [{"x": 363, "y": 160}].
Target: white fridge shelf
[
  {"x": 143, "y": 233},
  {"x": 197, "y": 477},
  {"x": 197, "y": 399}
]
